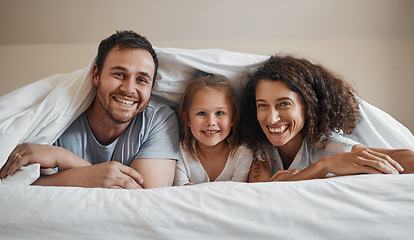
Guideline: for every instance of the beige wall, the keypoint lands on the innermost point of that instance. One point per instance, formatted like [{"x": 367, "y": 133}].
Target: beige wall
[{"x": 369, "y": 42}]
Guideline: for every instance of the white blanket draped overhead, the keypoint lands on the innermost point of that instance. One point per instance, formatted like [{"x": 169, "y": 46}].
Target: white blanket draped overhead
[{"x": 41, "y": 111}]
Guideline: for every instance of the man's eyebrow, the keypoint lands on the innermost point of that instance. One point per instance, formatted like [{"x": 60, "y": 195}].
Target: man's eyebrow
[
  {"x": 118, "y": 68},
  {"x": 146, "y": 74},
  {"x": 124, "y": 69}
]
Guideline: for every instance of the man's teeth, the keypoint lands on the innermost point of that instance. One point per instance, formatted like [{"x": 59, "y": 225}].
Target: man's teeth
[
  {"x": 124, "y": 101},
  {"x": 279, "y": 129}
]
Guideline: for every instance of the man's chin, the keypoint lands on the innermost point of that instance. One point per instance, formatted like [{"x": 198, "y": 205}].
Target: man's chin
[{"x": 123, "y": 118}]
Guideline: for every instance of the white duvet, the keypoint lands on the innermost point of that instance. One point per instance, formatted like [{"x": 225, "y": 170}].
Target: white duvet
[{"x": 353, "y": 207}]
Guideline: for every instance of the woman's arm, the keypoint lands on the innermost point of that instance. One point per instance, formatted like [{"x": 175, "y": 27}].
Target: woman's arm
[
  {"x": 259, "y": 171},
  {"x": 360, "y": 160},
  {"x": 405, "y": 157}
]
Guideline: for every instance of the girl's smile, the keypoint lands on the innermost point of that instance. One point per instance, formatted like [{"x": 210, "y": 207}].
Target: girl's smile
[{"x": 210, "y": 117}]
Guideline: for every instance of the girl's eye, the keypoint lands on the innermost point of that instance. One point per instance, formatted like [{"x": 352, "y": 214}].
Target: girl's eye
[
  {"x": 219, "y": 113},
  {"x": 260, "y": 105},
  {"x": 201, "y": 113}
]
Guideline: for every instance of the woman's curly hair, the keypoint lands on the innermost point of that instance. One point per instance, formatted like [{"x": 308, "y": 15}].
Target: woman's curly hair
[{"x": 330, "y": 103}]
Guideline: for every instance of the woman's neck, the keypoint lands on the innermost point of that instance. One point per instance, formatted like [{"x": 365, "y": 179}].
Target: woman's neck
[{"x": 289, "y": 151}]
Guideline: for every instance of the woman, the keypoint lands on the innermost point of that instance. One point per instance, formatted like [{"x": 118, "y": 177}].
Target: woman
[{"x": 293, "y": 116}]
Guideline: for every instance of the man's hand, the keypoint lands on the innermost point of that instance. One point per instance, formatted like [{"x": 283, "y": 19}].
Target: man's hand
[
  {"x": 47, "y": 156},
  {"x": 105, "y": 175}
]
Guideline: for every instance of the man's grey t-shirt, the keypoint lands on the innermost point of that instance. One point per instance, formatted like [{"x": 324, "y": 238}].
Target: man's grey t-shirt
[{"x": 154, "y": 133}]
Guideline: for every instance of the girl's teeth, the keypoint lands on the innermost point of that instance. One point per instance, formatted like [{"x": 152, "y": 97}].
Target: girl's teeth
[{"x": 210, "y": 132}]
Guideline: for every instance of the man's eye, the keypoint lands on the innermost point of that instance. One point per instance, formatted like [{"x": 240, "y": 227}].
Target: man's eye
[
  {"x": 118, "y": 75},
  {"x": 143, "y": 80}
]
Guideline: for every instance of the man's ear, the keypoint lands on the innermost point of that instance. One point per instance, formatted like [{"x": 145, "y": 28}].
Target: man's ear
[{"x": 95, "y": 75}]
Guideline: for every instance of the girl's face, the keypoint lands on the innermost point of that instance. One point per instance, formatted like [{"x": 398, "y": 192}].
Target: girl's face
[
  {"x": 280, "y": 113},
  {"x": 210, "y": 117}
]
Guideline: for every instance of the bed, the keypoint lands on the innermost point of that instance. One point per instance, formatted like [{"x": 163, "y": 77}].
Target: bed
[{"x": 352, "y": 207}]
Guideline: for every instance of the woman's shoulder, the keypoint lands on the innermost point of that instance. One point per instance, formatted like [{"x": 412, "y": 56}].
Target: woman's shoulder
[{"x": 337, "y": 143}]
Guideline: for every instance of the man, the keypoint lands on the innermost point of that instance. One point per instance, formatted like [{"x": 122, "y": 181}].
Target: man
[{"x": 124, "y": 139}]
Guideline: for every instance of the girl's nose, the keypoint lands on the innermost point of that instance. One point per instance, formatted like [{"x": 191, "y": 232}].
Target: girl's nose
[{"x": 211, "y": 121}]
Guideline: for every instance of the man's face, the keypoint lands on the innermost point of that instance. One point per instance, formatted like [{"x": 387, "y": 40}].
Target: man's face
[{"x": 125, "y": 83}]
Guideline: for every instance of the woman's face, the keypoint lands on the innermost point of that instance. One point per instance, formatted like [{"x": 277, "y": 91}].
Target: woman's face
[{"x": 280, "y": 113}]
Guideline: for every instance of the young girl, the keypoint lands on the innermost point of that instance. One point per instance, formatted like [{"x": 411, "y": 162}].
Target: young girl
[{"x": 209, "y": 144}]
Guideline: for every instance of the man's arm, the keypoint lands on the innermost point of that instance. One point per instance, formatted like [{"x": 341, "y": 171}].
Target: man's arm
[
  {"x": 45, "y": 155},
  {"x": 73, "y": 170},
  {"x": 107, "y": 175},
  {"x": 155, "y": 172}
]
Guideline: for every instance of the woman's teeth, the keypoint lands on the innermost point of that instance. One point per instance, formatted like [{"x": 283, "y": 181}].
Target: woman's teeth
[{"x": 278, "y": 129}]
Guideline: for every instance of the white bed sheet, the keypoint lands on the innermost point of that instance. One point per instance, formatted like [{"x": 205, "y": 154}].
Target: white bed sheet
[{"x": 353, "y": 207}]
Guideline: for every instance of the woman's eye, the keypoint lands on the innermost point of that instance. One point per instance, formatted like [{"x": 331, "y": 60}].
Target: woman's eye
[
  {"x": 261, "y": 105},
  {"x": 285, "y": 104}
]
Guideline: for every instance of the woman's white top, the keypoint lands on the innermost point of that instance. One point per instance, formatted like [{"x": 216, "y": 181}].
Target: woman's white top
[{"x": 190, "y": 170}]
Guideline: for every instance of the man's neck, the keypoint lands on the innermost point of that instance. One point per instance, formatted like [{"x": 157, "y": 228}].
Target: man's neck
[{"x": 104, "y": 129}]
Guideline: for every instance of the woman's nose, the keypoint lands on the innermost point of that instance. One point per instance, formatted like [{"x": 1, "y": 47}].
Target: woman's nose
[{"x": 274, "y": 116}]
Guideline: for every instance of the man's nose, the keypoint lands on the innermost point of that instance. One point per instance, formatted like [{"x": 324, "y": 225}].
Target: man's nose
[{"x": 128, "y": 86}]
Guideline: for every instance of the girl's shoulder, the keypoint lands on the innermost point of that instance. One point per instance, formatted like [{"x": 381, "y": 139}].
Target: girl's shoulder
[
  {"x": 243, "y": 149},
  {"x": 242, "y": 153}
]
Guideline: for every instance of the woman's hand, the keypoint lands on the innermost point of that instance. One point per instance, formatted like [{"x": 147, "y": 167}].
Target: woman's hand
[
  {"x": 283, "y": 175},
  {"x": 361, "y": 160}
]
